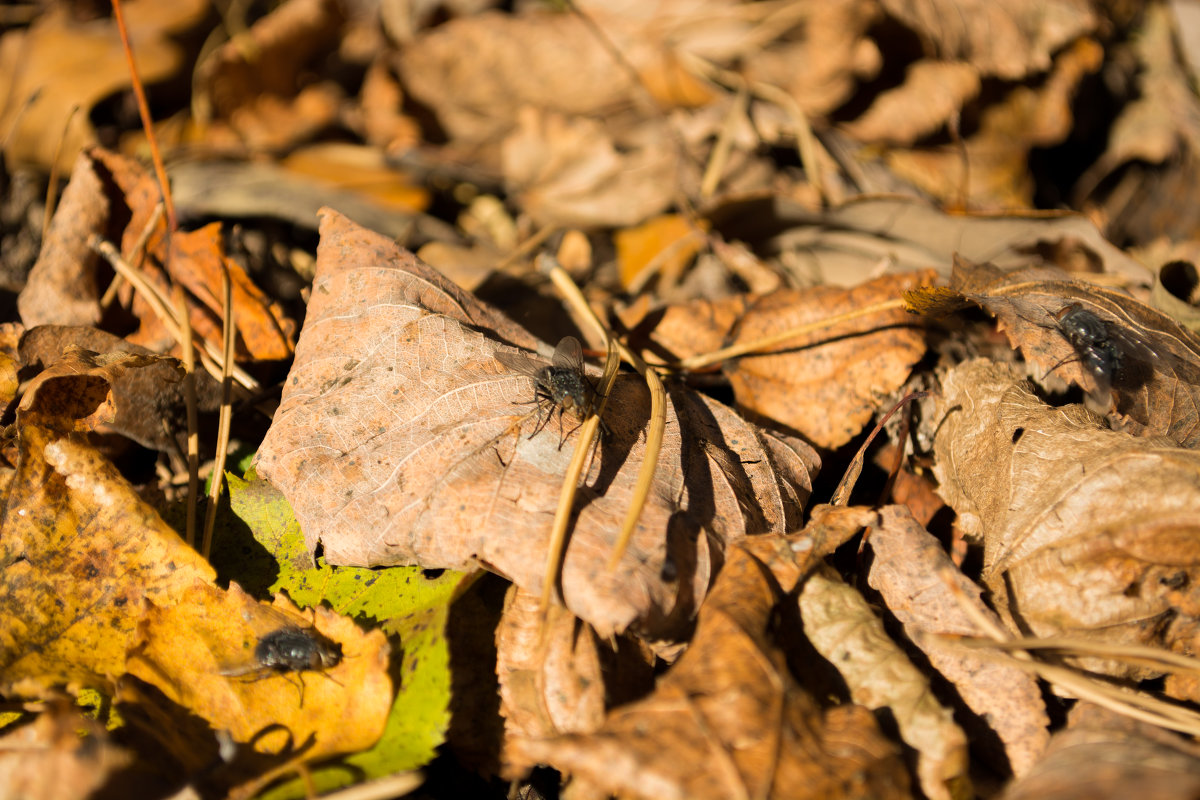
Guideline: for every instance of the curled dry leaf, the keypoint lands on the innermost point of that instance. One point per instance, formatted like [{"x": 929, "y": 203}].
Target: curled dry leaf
[
  {"x": 825, "y": 384},
  {"x": 910, "y": 570},
  {"x": 1153, "y": 141},
  {"x": 996, "y": 173},
  {"x": 550, "y": 61},
  {"x": 1150, "y": 363},
  {"x": 203, "y": 652},
  {"x": 728, "y": 720},
  {"x": 270, "y": 57},
  {"x": 549, "y": 670},
  {"x": 1103, "y": 756},
  {"x": 843, "y": 628},
  {"x": 1086, "y": 531},
  {"x": 401, "y": 438},
  {"x": 149, "y": 401}
]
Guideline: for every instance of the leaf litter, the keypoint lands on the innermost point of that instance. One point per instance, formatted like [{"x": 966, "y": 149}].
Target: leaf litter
[{"x": 735, "y": 650}]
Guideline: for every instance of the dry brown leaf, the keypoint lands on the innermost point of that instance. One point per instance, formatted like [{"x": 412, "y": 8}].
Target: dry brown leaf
[
  {"x": 1157, "y": 380},
  {"x": 1155, "y": 140},
  {"x": 359, "y": 169},
  {"x": 60, "y": 755},
  {"x": 384, "y": 126},
  {"x": 261, "y": 189},
  {"x": 569, "y": 171},
  {"x": 200, "y": 652},
  {"x": 1009, "y": 39},
  {"x": 852, "y": 243},
  {"x": 669, "y": 242},
  {"x": 1086, "y": 531},
  {"x": 908, "y": 571},
  {"x": 79, "y": 549},
  {"x": 728, "y": 720},
  {"x": 549, "y": 670},
  {"x": 255, "y": 82},
  {"x": 826, "y": 390},
  {"x": 58, "y": 64},
  {"x": 844, "y": 629},
  {"x": 547, "y": 60},
  {"x": 831, "y": 41},
  {"x": 1104, "y": 756},
  {"x": 400, "y": 438},
  {"x": 62, "y": 288},
  {"x": 998, "y": 174},
  {"x": 932, "y": 92}
]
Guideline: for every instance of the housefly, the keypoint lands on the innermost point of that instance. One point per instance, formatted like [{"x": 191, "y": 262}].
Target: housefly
[
  {"x": 560, "y": 386},
  {"x": 290, "y": 649},
  {"x": 1109, "y": 353}
]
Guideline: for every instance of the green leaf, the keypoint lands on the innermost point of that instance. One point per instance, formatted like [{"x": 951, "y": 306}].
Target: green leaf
[{"x": 261, "y": 546}]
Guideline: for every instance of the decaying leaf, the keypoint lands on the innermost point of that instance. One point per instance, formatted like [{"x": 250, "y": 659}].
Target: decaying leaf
[
  {"x": 256, "y": 83},
  {"x": 728, "y": 719},
  {"x": 851, "y": 243},
  {"x": 401, "y": 438},
  {"x": 932, "y": 92},
  {"x": 1086, "y": 531},
  {"x": 825, "y": 384},
  {"x": 569, "y": 171},
  {"x": 1153, "y": 142},
  {"x": 1149, "y": 362},
  {"x": 79, "y": 549},
  {"x": 990, "y": 169},
  {"x": 909, "y": 570}
]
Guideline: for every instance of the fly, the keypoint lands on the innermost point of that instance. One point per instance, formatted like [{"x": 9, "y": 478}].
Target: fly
[
  {"x": 290, "y": 649},
  {"x": 560, "y": 386},
  {"x": 1108, "y": 353}
]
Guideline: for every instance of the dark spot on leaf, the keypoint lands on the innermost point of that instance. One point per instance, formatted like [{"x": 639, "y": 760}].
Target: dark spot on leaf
[
  {"x": 1176, "y": 581},
  {"x": 1017, "y": 434}
]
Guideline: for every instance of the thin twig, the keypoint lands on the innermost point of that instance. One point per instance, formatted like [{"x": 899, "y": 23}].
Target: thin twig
[
  {"x": 1128, "y": 702},
  {"x": 588, "y": 432},
  {"x": 210, "y": 357},
  {"x": 193, "y": 432},
  {"x": 218, "y": 477},
  {"x": 110, "y": 294},
  {"x": 758, "y": 345},
  {"x": 52, "y": 183},
  {"x": 658, "y": 417},
  {"x": 139, "y": 92}
]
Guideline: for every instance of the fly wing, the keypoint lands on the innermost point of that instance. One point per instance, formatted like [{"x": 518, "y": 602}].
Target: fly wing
[
  {"x": 569, "y": 354},
  {"x": 522, "y": 363}
]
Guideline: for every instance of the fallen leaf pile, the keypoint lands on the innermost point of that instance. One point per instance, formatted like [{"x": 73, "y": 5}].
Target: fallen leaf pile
[{"x": 876, "y": 475}]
